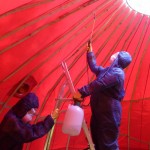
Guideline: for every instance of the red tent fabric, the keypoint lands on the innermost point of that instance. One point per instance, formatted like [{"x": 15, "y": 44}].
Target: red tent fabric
[{"x": 37, "y": 35}]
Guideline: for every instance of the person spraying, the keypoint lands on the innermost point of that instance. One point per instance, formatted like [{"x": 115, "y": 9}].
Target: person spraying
[{"x": 107, "y": 92}]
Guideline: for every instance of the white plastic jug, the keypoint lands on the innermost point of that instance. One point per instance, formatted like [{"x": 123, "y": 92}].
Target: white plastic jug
[{"x": 73, "y": 120}]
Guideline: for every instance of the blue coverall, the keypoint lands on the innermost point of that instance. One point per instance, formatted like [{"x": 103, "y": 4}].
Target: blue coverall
[
  {"x": 14, "y": 132},
  {"x": 106, "y": 92}
]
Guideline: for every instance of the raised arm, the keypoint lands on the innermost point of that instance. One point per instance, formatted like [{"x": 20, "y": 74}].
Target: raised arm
[{"x": 92, "y": 60}]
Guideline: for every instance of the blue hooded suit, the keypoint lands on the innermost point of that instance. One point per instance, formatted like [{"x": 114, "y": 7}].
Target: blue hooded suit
[
  {"x": 106, "y": 92},
  {"x": 14, "y": 132}
]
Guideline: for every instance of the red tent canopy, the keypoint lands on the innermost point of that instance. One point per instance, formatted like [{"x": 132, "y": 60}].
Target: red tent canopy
[{"x": 37, "y": 35}]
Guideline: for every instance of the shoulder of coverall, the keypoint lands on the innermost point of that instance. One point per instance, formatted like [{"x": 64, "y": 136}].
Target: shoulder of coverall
[
  {"x": 118, "y": 72},
  {"x": 124, "y": 59},
  {"x": 25, "y": 104}
]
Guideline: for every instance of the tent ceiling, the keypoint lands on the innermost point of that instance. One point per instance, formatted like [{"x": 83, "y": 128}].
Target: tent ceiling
[{"x": 37, "y": 35}]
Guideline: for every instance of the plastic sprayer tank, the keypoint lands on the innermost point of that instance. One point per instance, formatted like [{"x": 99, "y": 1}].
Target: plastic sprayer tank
[{"x": 73, "y": 120}]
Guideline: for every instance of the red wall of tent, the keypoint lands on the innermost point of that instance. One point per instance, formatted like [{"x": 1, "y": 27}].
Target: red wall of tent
[{"x": 37, "y": 35}]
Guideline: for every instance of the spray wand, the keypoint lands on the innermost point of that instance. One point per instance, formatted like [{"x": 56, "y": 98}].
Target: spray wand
[{"x": 90, "y": 40}]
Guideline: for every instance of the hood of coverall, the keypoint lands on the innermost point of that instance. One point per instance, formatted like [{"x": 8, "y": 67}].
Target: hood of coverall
[
  {"x": 123, "y": 60},
  {"x": 25, "y": 104}
]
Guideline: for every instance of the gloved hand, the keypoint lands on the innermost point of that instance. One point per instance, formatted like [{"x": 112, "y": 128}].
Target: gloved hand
[
  {"x": 89, "y": 46},
  {"x": 77, "y": 97},
  {"x": 55, "y": 113}
]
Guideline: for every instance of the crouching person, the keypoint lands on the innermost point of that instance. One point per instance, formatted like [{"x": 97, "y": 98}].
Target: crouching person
[{"x": 15, "y": 128}]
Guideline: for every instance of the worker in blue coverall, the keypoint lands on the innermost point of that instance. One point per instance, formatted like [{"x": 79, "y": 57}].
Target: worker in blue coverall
[
  {"x": 106, "y": 92},
  {"x": 15, "y": 128}
]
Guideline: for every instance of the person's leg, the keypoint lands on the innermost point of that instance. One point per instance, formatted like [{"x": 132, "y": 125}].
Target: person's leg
[
  {"x": 94, "y": 133},
  {"x": 110, "y": 122},
  {"x": 110, "y": 138}
]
